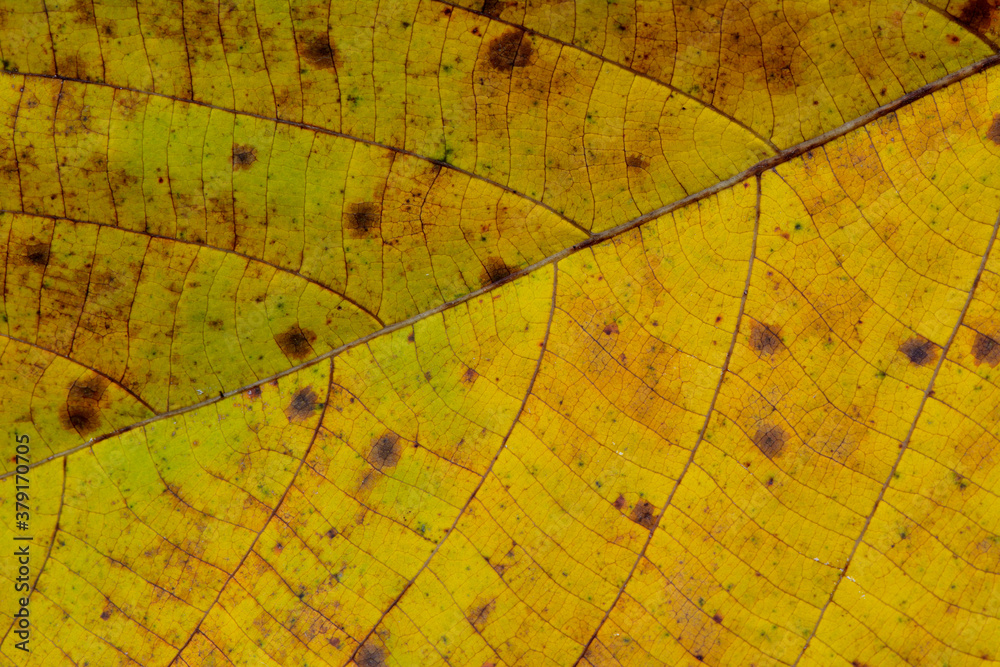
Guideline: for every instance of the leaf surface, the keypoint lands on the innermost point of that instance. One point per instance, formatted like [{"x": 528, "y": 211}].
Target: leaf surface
[{"x": 512, "y": 333}]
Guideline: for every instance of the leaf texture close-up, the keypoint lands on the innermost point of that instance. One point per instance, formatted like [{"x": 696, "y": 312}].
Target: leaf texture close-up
[{"x": 509, "y": 332}]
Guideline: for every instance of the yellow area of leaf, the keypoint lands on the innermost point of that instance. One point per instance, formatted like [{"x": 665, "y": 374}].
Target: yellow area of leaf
[
  {"x": 760, "y": 428},
  {"x": 787, "y": 71}
]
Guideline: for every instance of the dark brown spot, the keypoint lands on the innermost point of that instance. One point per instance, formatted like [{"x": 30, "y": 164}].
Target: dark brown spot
[
  {"x": 303, "y": 404},
  {"x": 637, "y": 161},
  {"x": 770, "y": 439},
  {"x": 986, "y": 350},
  {"x": 469, "y": 376},
  {"x": 919, "y": 351},
  {"x": 493, "y": 8},
  {"x": 296, "y": 343},
  {"x": 479, "y": 614},
  {"x": 363, "y": 218},
  {"x": 642, "y": 514},
  {"x": 611, "y": 329},
  {"x": 510, "y": 50},
  {"x": 993, "y": 134},
  {"x": 858, "y": 663},
  {"x": 38, "y": 254},
  {"x": 717, "y": 618},
  {"x": 332, "y": 533},
  {"x": 253, "y": 392},
  {"x": 619, "y": 502},
  {"x": 495, "y": 271},
  {"x": 763, "y": 340},
  {"x": 244, "y": 155},
  {"x": 699, "y": 657},
  {"x": 106, "y": 614},
  {"x": 370, "y": 655},
  {"x": 81, "y": 411},
  {"x": 979, "y": 14},
  {"x": 385, "y": 451},
  {"x": 318, "y": 51}
]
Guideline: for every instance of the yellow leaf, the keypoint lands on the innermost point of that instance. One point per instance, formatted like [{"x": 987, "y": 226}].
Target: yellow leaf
[{"x": 499, "y": 333}]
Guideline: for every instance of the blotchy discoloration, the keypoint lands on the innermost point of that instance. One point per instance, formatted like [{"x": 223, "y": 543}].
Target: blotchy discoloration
[
  {"x": 644, "y": 514},
  {"x": 38, "y": 254},
  {"x": 919, "y": 351},
  {"x": 363, "y": 218},
  {"x": 81, "y": 412},
  {"x": 385, "y": 451},
  {"x": 985, "y": 350},
  {"x": 493, "y": 8},
  {"x": 636, "y": 161},
  {"x": 763, "y": 340},
  {"x": 479, "y": 614},
  {"x": 510, "y": 50},
  {"x": 303, "y": 405},
  {"x": 244, "y": 155},
  {"x": 370, "y": 655},
  {"x": 993, "y": 134},
  {"x": 979, "y": 14},
  {"x": 318, "y": 51},
  {"x": 296, "y": 343},
  {"x": 770, "y": 439},
  {"x": 495, "y": 271}
]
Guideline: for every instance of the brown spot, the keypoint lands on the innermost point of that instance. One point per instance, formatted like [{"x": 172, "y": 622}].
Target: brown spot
[
  {"x": 642, "y": 514},
  {"x": 493, "y": 8},
  {"x": 106, "y": 614},
  {"x": 370, "y": 655},
  {"x": 81, "y": 412},
  {"x": 253, "y": 392},
  {"x": 985, "y": 349},
  {"x": 332, "y": 533},
  {"x": 636, "y": 161},
  {"x": 296, "y": 343},
  {"x": 385, "y": 451},
  {"x": 717, "y": 618},
  {"x": 858, "y": 663},
  {"x": 770, "y": 439},
  {"x": 993, "y": 134},
  {"x": 410, "y": 338},
  {"x": 469, "y": 376},
  {"x": 363, "y": 217},
  {"x": 919, "y": 351},
  {"x": 953, "y": 39},
  {"x": 244, "y": 155},
  {"x": 510, "y": 50},
  {"x": 763, "y": 340},
  {"x": 495, "y": 271},
  {"x": 318, "y": 51},
  {"x": 619, "y": 502},
  {"x": 38, "y": 254},
  {"x": 979, "y": 14},
  {"x": 479, "y": 615},
  {"x": 303, "y": 404},
  {"x": 611, "y": 329}
]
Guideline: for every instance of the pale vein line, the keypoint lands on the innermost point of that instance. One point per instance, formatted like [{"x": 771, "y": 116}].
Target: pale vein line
[
  {"x": 906, "y": 441},
  {"x": 482, "y": 480},
  {"x": 701, "y": 434}
]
